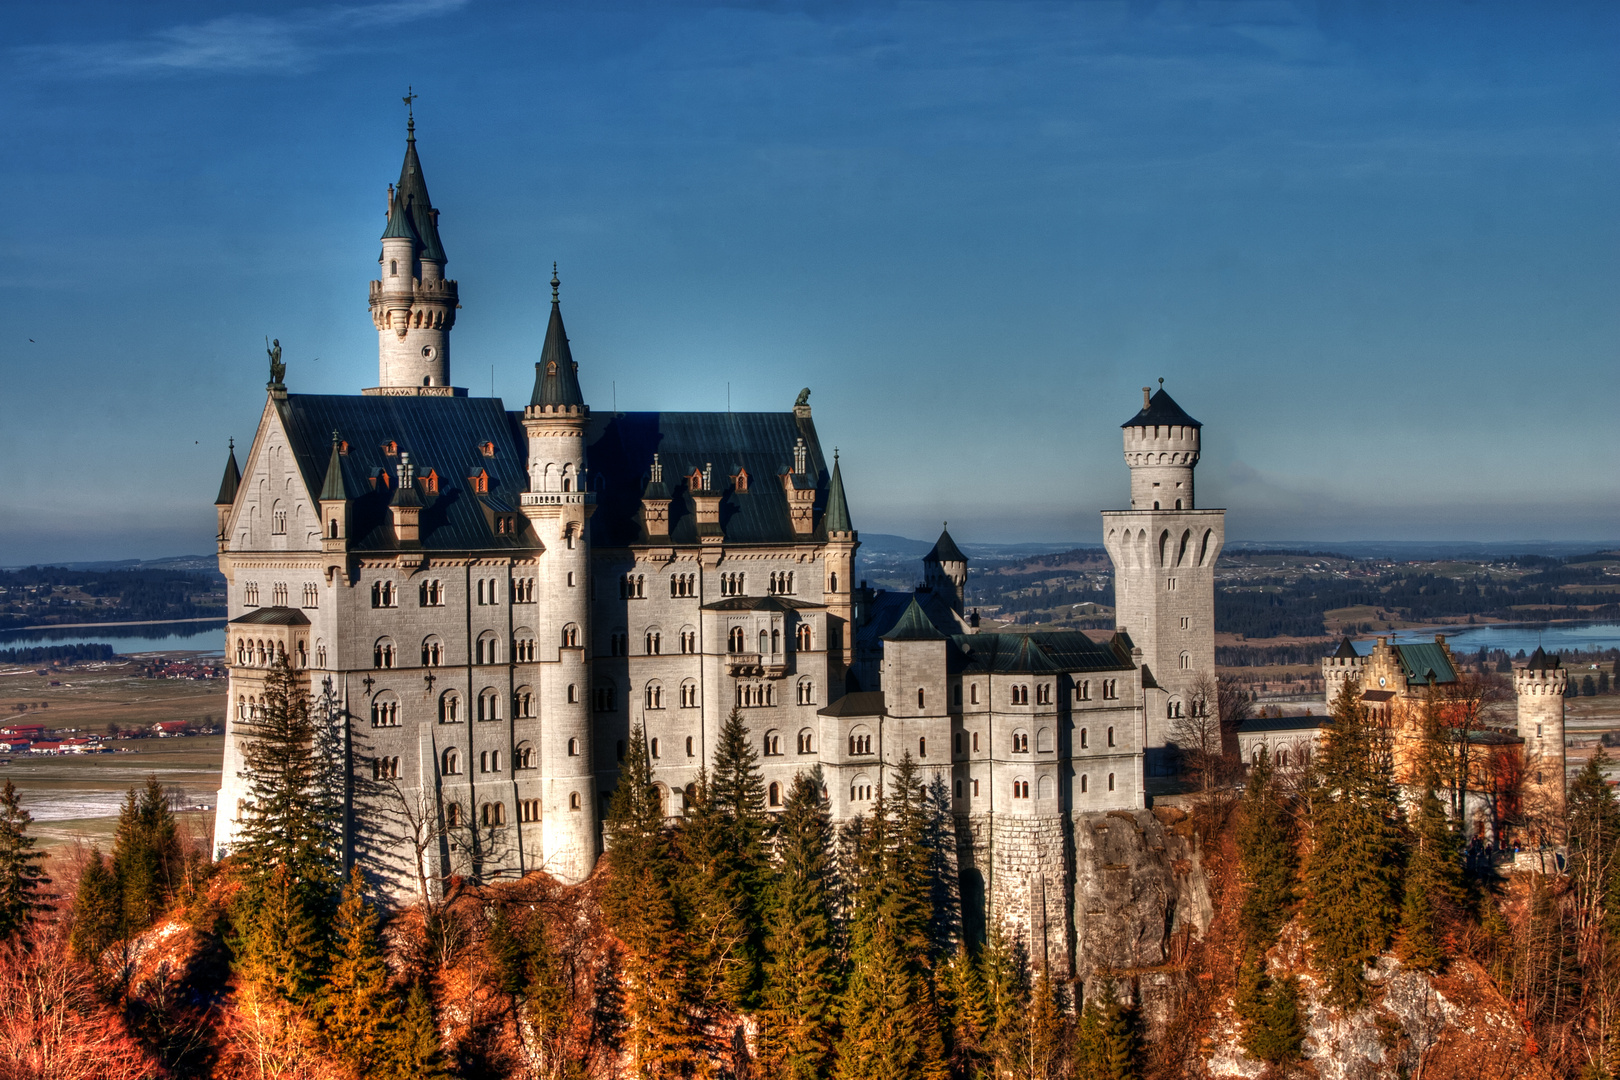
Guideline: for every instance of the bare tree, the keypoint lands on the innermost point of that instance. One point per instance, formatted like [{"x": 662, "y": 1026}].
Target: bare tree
[
  {"x": 1197, "y": 733},
  {"x": 419, "y": 814},
  {"x": 1460, "y": 709}
]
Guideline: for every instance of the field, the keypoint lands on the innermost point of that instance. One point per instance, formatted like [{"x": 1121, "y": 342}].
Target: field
[{"x": 78, "y": 795}]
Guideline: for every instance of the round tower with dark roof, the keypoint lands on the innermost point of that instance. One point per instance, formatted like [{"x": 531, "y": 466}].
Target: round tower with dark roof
[
  {"x": 413, "y": 304},
  {"x": 1164, "y": 550},
  {"x": 945, "y": 570},
  {"x": 1539, "y": 687}
]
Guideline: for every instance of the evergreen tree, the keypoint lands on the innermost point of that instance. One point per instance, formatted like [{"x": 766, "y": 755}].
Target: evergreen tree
[
  {"x": 356, "y": 1009},
  {"x": 1269, "y": 1010},
  {"x": 280, "y": 943},
  {"x": 147, "y": 859},
  {"x": 417, "y": 1052},
  {"x": 796, "y": 1021},
  {"x": 21, "y": 879},
  {"x": 1106, "y": 1043},
  {"x": 1603, "y": 681},
  {"x": 664, "y": 1004},
  {"x": 98, "y": 915},
  {"x": 962, "y": 1001},
  {"x": 1048, "y": 1031},
  {"x": 545, "y": 995},
  {"x": 1005, "y": 996},
  {"x": 1266, "y": 857},
  {"x": 1588, "y": 687},
  {"x": 1433, "y": 878},
  {"x": 1352, "y": 873}
]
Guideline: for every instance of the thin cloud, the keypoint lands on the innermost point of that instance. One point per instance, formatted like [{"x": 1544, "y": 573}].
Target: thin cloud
[{"x": 232, "y": 43}]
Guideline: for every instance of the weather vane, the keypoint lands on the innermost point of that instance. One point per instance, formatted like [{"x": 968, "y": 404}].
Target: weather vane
[{"x": 410, "y": 96}]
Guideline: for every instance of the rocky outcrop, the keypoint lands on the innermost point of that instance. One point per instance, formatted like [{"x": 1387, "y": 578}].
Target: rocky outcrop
[
  {"x": 1453, "y": 1025},
  {"x": 1139, "y": 884}
]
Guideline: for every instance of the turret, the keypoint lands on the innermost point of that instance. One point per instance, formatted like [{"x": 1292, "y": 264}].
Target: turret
[
  {"x": 842, "y": 541},
  {"x": 945, "y": 570},
  {"x": 227, "y": 494},
  {"x": 1539, "y": 687},
  {"x": 335, "y": 501},
  {"x": 1342, "y": 668},
  {"x": 413, "y": 305},
  {"x": 558, "y": 505},
  {"x": 1161, "y": 448}
]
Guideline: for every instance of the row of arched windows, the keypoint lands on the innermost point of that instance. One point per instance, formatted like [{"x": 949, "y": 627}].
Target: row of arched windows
[
  {"x": 252, "y": 652},
  {"x": 781, "y": 582}
]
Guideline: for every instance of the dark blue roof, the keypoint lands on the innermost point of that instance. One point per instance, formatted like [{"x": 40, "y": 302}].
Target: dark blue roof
[
  {"x": 1161, "y": 410},
  {"x": 1039, "y": 652},
  {"x": 620, "y": 447},
  {"x": 443, "y": 435}
]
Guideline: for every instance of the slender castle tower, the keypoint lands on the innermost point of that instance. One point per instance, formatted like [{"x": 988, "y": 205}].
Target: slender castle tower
[
  {"x": 558, "y": 505},
  {"x": 1540, "y": 687},
  {"x": 945, "y": 570},
  {"x": 412, "y": 304},
  {"x": 1164, "y": 550}
]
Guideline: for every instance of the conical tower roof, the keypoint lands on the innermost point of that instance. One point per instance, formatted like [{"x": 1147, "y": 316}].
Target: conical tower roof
[
  {"x": 399, "y": 223},
  {"x": 231, "y": 481},
  {"x": 413, "y": 193},
  {"x": 1347, "y": 651},
  {"x": 334, "y": 488},
  {"x": 945, "y": 549},
  {"x": 1541, "y": 660},
  {"x": 1161, "y": 410},
  {"x": 556, "y": 376},
  {"x": 837, "y": 517}
]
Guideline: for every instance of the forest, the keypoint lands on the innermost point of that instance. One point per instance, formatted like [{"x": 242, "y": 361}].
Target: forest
[
  {"x": 42, "y": 595},
  {"x": 729, "y": 942}
]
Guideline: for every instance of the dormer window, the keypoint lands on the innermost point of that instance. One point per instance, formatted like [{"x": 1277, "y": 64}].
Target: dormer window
[
  {"x": 487, "y": 449},
  {"x": 551, "y": 367},
  {"x": 480, "y": 482},
  {"x": 343, "y": 447},
  {"x": 741, "y": 480},
  {"x": 390, "y": 448},
  {"x": 695, "y": 481},
  {"x": 430, "y": 483}
]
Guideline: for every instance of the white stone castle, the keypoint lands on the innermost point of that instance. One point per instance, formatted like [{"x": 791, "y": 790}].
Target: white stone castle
[{"x": 491, "y": 600}]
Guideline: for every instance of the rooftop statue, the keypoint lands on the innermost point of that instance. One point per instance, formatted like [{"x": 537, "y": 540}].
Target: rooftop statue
[
  {"x": 804, "y": 398},
  {"x": 277, "y": 369}
]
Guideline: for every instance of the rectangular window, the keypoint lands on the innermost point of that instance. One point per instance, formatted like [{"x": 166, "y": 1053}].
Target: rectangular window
[{"x": 1186, "y": 623}]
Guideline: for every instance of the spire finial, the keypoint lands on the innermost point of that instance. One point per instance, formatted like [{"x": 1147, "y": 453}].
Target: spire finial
[
  {"x": 335, "y": 438},
  {"x": 231, "y": 443},
  {"x": 554, "y": 283},
  {"x": 410, "y": 113},
  {"x": 1161, "y": 382}
]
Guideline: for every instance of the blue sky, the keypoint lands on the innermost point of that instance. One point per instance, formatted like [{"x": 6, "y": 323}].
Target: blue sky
[{"x": 1374, "y": 248}]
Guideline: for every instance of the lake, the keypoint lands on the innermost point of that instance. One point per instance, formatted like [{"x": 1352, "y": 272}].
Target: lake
[
  {"x": 150, "y": 637},
  {"x": 1554, "y": 637}
]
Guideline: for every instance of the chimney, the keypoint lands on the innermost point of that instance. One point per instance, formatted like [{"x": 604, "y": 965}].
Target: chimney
[{"x": 1147, "y": 392}]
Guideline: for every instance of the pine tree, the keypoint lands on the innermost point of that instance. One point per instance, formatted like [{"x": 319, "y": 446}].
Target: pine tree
[
  {"x": 1005, "y": 997},
  {"x": 664, "y": 1004},
  {"x": 417, "y": 1053},
  {"x": 796, "y": 1022},
  {"x": 1106, "y": 1043},
  {"x": 1267, "y": 860},
  {"x": 21, "y": 879},
  {"x": 1352, "y": 874},
  {"x": 545, "y": 995},
  {"x": 1269, "y": 1010},
  {"x": 356, "y": 1009},
  {"x": 147, "y": 858},
  {"x": 280, "y": 943},
  {"x": 98, "y": 916},
  {"x": 962, "y": 1002},
  {"x": 1048, "y": 1031}
]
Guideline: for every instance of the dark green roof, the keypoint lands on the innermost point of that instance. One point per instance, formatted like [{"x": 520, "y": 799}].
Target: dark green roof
[
  {"x": 412, "y": 191},
  {"x": 272, "y": 616},
  {"x": 1161, "y": 411},
  {"x": 443, "y": 435},
  {"x": 945, "y": 550},
  {"x": 837, "y": 518},
  {"x": 334, "y": 488},
  {"x": 1040, "y": 652},
  {"x": 556, "y": 376},
  {"x": 230, "y": 481},
  {"x": 399, "y": 224},
  {"x": 914, "y": 626},
  {"x": 620, "y": 448},
  {"x": 1423, "y": 661}
]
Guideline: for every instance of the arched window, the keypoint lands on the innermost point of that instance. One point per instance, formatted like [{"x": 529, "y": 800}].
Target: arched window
[
  {"x": 1020, "y": 789},
  {"x": 573, "y": 800},
  {"x": 452, "y": 815},
  {"x": 734, "y": 640},
  {"x": 1082, "y": 690},
  {"x": 773, "y": 744},
  {"x": 432, "y": 651},
  {"x": 920, "y": 697},
  {"x": 973, "y": 693},
  {"x": 801, "y": 638},
  {"x": 832, "y": 582},
  {"x": 654, "y": 641},
  {"x": 807, "y": 741},
  {"x": 385, "y": 710},
  {"x": 1110, "y": 736},
  {"x": 320, "y": 654},
  {"x": 278, "y": 519},
  {"x": 776, "y": 641},
  {"x": 652, "y": 747},
  {"x": 1110, "y": 781},
  {"x": 523, "y": 703},
  {"x": 1043, "y": 741},
  {"x": 485, "y": 650},
  {"x": 1085, "y": 738},
  {"x": 523, "y": 757},
  {"x": 860, "y": 740},
  {"x": 570, "y": 636},
  {"x": 489, "y": 704},
  {"x": 763, "y": 639},
  {"x": 689, "y": 694},
  {"x": 655, "y": 695},
  {"x": 689, "y": 746},
  {"x": 382, "y": 653},
  {"x": 806, "y": 691},
  {"x": 1020, "y": 742},
  {"x": 494, "y": 813},
  {"x": 573, "y": 748},
  {"x": 604, "y": 696},
  {"x": 775, "y": 794},
  {"x": 523, "y": 646},
  {"x": 688, "y": 641},
  {"x": 860, "y": 789},
  {"x": 573, "y": 694},
  {"x": 450, "y": 707},
  {"x": 451, "y": 762},
  {"x": 1084, "y": 782},
  {"x": 922, "y": 747}
]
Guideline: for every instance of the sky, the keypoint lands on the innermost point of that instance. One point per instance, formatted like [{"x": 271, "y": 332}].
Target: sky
[{"x": 1373, "y": 247}]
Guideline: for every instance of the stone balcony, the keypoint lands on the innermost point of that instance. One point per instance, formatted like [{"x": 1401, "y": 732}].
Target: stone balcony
[
  {"x": 756, "y": 665},
  {"x": 557, "y": 498}
]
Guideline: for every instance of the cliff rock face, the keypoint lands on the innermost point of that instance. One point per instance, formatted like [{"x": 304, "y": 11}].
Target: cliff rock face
[
  {"x": 1138, "y": 884},
  {"x": 1452, "y": 1025}
]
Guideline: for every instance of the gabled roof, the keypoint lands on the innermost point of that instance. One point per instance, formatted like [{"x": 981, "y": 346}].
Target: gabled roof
[
  {"x": 1257, "y": 724},
  {"x": 1425, "y": 661},
  {"x": 620, "y": 448},
  {"x": 914, "y": 626},
  {"x": 1541, "y": 660},
  {"x": 858, "y": 703},
  {"x": 1037, "y": 653},
  {"x": 1346, "y": 651},
  {"x": 412, "y": 191},
  {"x": 1161, "y": 410},
  {"x": 837, "y": 518},
  {"x": 272, "y": 616},
  {"x": 945, "y": 550},
  {"x": 556, "y": 376},
  {"x": 443, "y": 434},
  {"x": 783, "y": 604},
  {"x": 230, "y": 481}
]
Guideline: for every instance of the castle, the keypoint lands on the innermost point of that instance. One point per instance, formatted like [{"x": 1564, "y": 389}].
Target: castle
[{"x": 489, "y": 601}]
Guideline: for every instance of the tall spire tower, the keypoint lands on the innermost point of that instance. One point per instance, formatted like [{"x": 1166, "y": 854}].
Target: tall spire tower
[
  {"x": 1164, "y": 551},
  {"x": 412, "y": 303}
]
